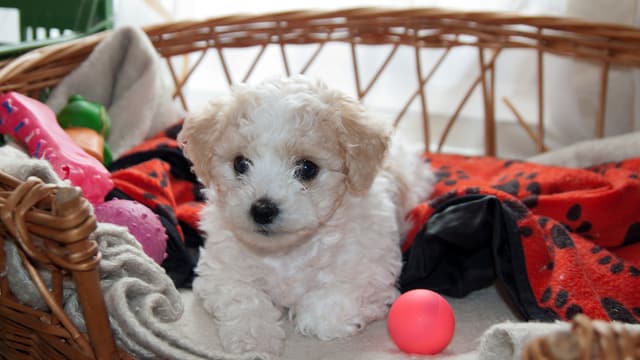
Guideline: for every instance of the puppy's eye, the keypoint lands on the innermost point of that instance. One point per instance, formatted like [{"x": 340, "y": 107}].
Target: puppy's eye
[
  {"x": 241, "y": 164},
  {"x": 306, "y": 170}
]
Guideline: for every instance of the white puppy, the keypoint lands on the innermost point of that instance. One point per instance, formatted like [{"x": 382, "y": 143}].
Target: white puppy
[{"x": 305, "y": 212}]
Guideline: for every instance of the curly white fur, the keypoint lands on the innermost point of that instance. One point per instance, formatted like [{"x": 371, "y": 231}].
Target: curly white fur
[{"x": 330, "y": 257}]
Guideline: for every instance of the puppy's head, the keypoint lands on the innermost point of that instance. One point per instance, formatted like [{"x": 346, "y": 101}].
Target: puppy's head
[{"x": 281, "y": 156}]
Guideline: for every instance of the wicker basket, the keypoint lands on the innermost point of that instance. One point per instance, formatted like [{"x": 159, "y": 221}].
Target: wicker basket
[
  {"x": 586, "y": 339},
  {"x": 51, "y": 226},
  {"x": 607, "y": 46},
  {"x": 61, "y": 222}
]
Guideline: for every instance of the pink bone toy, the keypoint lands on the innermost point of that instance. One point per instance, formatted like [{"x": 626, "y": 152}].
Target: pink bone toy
[{"x": 35, "y": 125}]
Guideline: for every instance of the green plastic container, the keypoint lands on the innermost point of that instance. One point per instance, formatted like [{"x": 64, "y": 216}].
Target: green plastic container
[{"x": 81, "y": 17}]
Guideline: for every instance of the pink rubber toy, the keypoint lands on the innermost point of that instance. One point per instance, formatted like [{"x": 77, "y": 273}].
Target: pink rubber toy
[
  {"x": 421, "y": 322},
  {"x": 33, "y": 124},
  {"x": 142, "y": 223}
]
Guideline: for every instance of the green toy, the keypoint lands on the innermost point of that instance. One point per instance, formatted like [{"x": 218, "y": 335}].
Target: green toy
[
  {"x": 82, "y": 113},
  {"x": 108, "y": 157}
]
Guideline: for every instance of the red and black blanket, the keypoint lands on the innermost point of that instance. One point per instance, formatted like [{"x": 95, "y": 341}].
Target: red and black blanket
[
  {"x": 560, "y": 241},
  {"x": 156, "y": 174}
]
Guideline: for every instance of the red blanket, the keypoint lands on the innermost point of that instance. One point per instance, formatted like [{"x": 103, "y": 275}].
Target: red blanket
[
  {"x": 561, "y": 241},
  {"x": 156, "y": 174}
]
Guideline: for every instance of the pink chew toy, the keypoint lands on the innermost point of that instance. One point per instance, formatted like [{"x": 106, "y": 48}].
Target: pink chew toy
[
  {"x": 142, "y": 223},
  {"x": 33, "y": 124},
  {"x": 421, "y": 322}
]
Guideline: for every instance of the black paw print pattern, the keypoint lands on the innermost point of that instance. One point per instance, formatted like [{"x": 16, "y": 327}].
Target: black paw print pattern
[
  {"x": 449, "y": 177},
  {"x": 575, "y": 223},
  {"x": 559, "y": 302},
  {"x": 562, "y": 247},
  {"x": 603, "y": 262},
  {"x": 632, "y": 172},
  {"x": 520, "y": 183}
]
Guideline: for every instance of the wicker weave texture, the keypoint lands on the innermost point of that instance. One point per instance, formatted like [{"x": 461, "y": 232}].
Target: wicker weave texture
[
  {"x": 51, "y": 226},
  {"x": 604, "y": 45},
  {"x": 412, "y": 27},
  {"x": 587, "y": 339}
]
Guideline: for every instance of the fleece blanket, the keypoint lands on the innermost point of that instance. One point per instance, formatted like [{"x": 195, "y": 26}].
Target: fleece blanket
[
  {"x": 156, "y": 174},
  {"x": 123, "y": 73},
  {"x": 562, "y": 241},
  {"x": 591, "y": 152}
]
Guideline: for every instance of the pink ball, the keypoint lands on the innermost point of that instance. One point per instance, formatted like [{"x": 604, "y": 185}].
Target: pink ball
[
  {"x": 421, "y": 322},
  {"x": 141, "y": 221}
]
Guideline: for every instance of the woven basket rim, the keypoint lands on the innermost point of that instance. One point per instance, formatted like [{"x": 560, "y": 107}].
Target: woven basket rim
[
  {"x": 623, "y": 39},
  {"x": 603, "y": 44},
  {"x": 571, "y": 23}
]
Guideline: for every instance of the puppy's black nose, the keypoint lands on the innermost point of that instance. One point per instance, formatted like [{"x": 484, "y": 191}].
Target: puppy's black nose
[{"x": 264, "y": 211}]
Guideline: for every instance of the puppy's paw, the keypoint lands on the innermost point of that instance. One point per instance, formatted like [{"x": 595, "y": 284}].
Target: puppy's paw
[
  {"x": 246, "y": 317},
  {"x": 252, "y": 335},
  {"x": 330, "y": 314}
]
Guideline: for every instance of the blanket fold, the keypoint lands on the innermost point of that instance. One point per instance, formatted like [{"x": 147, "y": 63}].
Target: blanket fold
[
  {"x": 124, "y": 74},
  {"x": 156, "y": 174},
  {"x": 563, "y": 241},
  {"x": 458, "y": 246}
]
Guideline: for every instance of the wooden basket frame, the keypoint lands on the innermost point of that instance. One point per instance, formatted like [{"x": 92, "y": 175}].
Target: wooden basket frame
[
  {"x": 606, "y": 45},
  {"x": 51, "y": 225}
]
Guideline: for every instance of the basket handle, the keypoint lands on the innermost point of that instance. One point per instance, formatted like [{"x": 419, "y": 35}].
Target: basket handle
[{"x": 51, "y": 224}]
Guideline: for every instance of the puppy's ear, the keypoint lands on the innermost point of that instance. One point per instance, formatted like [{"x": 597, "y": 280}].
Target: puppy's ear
[
  {"x": 364, "y": 142},
  {"x": 200, "y": 132}
]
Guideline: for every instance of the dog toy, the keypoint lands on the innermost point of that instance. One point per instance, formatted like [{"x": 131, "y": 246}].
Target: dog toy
[
  {"x": 89, "y": 141},
  {"x": 421, "y": 322},
  {"x": 141, "y": 221},
  {"x": 89, "y": 125},
  {"x": 33, "y": 124}
]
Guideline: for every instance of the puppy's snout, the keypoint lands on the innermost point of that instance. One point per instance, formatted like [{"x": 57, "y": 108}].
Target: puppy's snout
[{"x": 264, "y": 211}]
